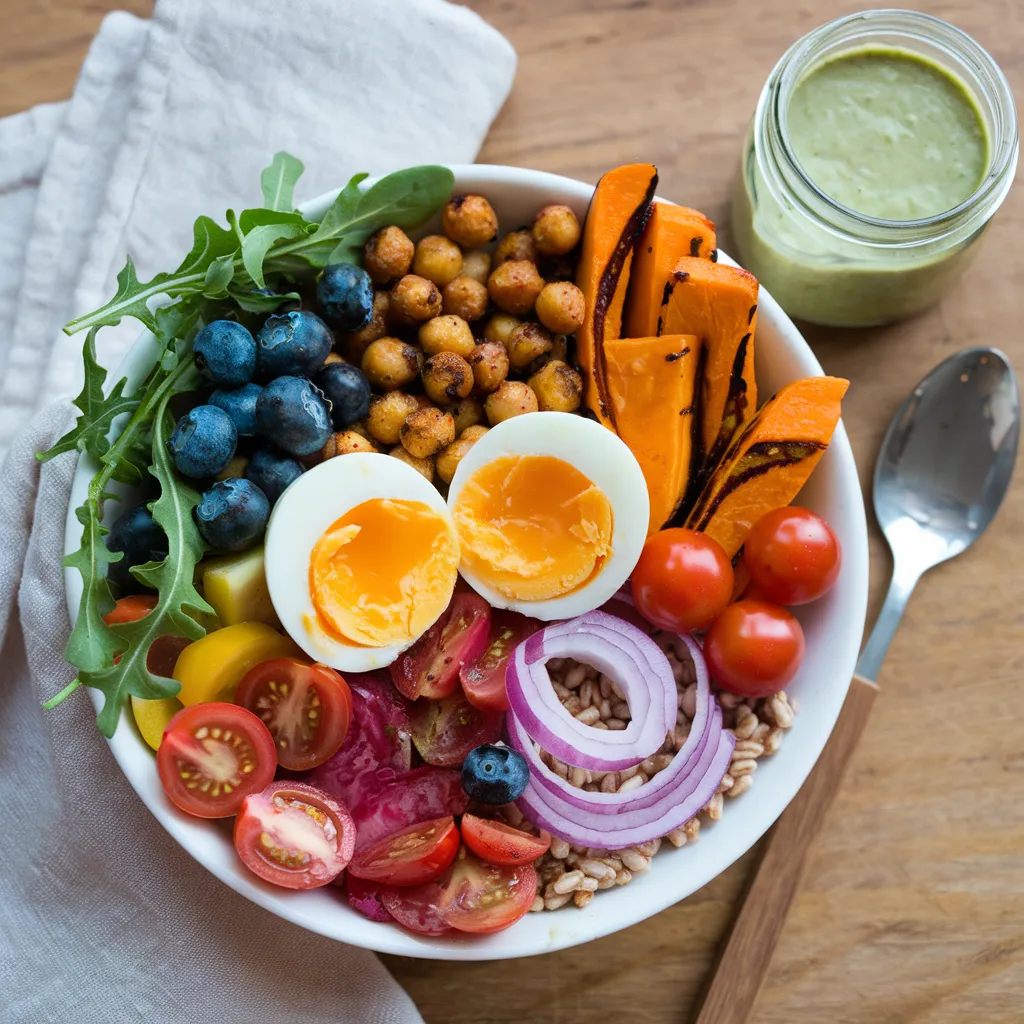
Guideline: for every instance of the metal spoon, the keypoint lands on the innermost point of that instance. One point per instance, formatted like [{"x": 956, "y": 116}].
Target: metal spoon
[{"x": 941, "y": 475}]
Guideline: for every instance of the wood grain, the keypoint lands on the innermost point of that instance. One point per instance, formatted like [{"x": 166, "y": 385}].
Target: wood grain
[
  {"x": 912, "y": 906},
  {"x": 748, "y": 951}
]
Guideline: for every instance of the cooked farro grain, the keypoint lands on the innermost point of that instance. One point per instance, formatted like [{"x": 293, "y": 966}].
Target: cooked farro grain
[{"x": 569, "y": 874}]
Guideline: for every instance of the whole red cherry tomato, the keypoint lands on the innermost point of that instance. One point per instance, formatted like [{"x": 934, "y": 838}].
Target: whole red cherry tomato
[
  {"x": 682, "y": 581},
  {"x": 754, "y": 648},
  {"x": 792, "y": 555}
]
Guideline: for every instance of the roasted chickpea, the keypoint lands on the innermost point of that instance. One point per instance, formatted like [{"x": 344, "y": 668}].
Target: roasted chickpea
[
  {"x": 516, "y": 246},
  {"x": 333, "y": 357},
  {"x": 514, "y": 286},
  {"x": 414, "y": 299},
  {"x": 469, "y": 414},
  {"x": 427, "y": 431},
  {"x": 558, "y": 387},
  {"x": 561, "y": 307},
  {"x": 500, "y": 327},
  {"x": 438, "y": 259},
  {"x": 560, "y": 348},
  {"x": 389, "y": 363},
  {"x": 354, "y": 344},
  {"x": 345, "y": 443},
  {"x": 555, "y": 231},
  {"x": 447, "y": 333},
  {"x": 477, "y": 265},
  {"x": 362, "y": 429},
  {"x": 236, "y": 467},
  {"x": 388, "y": 413},
  {"x": 557, "y": 268},
  {"x": 490, "y": 365},
  {"x": 528, "y": 341},
  {"x": 513, "y": 398},
  {"x": 388, "y": 254},
  {"x": 447, "y": 378},
  {"x": 475, "y": 432},
  {"x": 448, "y": 460},
  {"x": 465, "y": 297},
  {"x": 470, "y": 221},
  {"x": 424, "y": 466}
]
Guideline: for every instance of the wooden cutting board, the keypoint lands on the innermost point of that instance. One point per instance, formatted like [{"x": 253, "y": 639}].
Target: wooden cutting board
[{"x": 912, "y": 908}]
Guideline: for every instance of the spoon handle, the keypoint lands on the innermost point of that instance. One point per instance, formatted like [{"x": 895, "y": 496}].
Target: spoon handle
[{"x": 746, "y": 955}]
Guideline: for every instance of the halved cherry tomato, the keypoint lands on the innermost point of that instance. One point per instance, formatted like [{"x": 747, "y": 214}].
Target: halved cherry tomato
[
  {"x": 417, "y": 907},
  {"x": 307, "y": 708},
  {"x": 430, "y": 668},
  {"x": 482, "y": 898},
  {"x": 792, "y": 555},
  {"x": 130, "y": 609},
  {"x": 682, "y": 581},
  {"x": 416, "y": 854},
  {"x": 445, "y": 731},
  {"x": 483, "y": 680},
  {"x": 212, "y": 757},
  {"x": 294, "y": 835},
  {"x": 754, "y": 648},
  {"x": 498, "y": 843}
]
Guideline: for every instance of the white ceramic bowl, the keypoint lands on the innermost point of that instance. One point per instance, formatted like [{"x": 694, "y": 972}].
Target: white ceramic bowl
[{"x": 833, "y": 629}]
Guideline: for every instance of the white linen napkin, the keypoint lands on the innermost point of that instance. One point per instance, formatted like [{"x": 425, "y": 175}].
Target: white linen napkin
[{"x": 103, "y": 918}]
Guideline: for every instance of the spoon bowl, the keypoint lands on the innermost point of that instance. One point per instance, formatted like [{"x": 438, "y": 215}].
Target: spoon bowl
[{"x": 942, "y": 472}]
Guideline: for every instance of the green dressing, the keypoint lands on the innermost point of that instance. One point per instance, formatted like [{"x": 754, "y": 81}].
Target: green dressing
[
  {"x": 883, "y": 132},
  {"x": 888, "y": 134}
]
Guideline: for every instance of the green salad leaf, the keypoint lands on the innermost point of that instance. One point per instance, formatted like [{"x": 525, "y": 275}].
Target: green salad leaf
[
  {"x": 218, "y": 257},
  {"x": 278, "y": 181},
  {"x": 126, "y": 433},
  {"x": 98, "y": 411}
]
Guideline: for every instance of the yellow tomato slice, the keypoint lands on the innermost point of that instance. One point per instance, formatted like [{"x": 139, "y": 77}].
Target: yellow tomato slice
[
  {"x": 212, "y": 667},
  {"x": 152, "y": 716}
]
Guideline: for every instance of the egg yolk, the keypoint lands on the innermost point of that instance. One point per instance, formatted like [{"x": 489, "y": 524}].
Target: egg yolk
[
  {"x": 533, "y": 526},
  {"x": 383, "y": 573}
]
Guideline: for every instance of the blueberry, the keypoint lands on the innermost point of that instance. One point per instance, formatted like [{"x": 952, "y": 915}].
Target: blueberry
[
  {"x": 347, "y": 390},
  {"x": 232, "y": 514},
  {"x": 225, "y": 353},
  {"x": 494, "y": 775},
  {"x": 272, "y": 471},
  {"x": 292, "y": 344},
  {"x": 203, "y": 441},
  {"x": 136, "y": 534},
  {"x": 240, "y": 405},
  {"x": 345, "y": 293},
  {"x": 292, "y": 414}
]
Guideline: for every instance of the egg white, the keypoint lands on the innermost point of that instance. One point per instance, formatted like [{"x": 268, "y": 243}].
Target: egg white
[
  {"x": 315, "y": 501},
  {"x": 602, "y": 457}
]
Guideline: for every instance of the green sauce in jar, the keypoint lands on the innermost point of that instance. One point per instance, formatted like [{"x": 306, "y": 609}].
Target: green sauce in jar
[
  {"x": 869, "y": 171},
  {"x": 888, "y": 133}
]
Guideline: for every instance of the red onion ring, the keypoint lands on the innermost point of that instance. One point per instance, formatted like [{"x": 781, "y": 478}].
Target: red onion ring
[
  {"x": 623, "y": 653},
  {"x": 612, "y": 803},
  {"x": 587, "y": 829}
]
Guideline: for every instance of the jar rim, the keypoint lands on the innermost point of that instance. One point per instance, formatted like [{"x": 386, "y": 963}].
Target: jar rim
[{"x": 911, "y": 26}]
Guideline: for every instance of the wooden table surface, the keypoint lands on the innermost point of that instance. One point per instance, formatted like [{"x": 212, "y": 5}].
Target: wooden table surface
[{"x": 913, "y": 905}]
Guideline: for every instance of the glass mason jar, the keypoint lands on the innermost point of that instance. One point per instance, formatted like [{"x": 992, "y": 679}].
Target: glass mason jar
[{"x": 827, "y": 263}]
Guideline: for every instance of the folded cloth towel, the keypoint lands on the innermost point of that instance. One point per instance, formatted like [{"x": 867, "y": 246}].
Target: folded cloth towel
[{"x": 102, "y": 916}]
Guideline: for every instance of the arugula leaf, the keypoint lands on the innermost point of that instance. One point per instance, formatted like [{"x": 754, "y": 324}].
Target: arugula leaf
[
  {"x": 278, "y": 181},
  {"x": 218, "y": 276},
  {"x": 258, "y": 241},
  {"x": 98, "y": 411},
  {"x": 178, "y": 601},
  {"x": 255, "y": 302},
  {"x": 92, "y": 646},
  {"x": 407, "y": 198}
]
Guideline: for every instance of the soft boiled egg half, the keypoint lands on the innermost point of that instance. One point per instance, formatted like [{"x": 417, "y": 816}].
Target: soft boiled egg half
[
  {"x": 551, "y": 512},
  {"x": 361, "y": 559}
]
